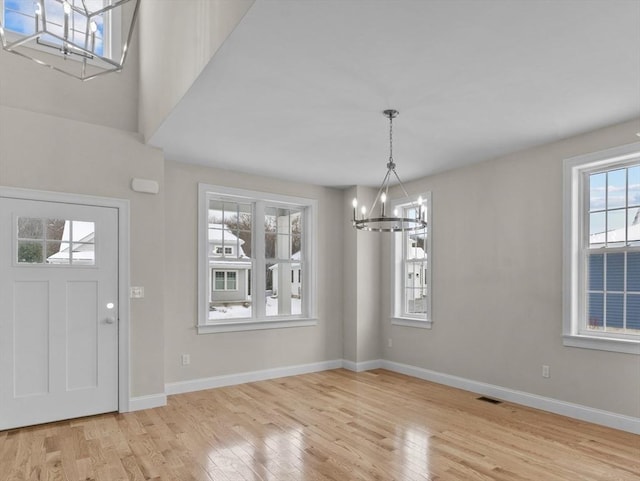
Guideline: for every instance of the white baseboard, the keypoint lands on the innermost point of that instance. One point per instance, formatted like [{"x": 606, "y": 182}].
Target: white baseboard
[
  {"x": 252, "y": 376},
  {"x": 576, "y": 411},
  {"x": 147, "y": 402},
  {"x": 362, "y": 366}
]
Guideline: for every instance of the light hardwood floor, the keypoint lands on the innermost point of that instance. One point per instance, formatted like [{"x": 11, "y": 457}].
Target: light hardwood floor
[{"x": 334, "y": 425}]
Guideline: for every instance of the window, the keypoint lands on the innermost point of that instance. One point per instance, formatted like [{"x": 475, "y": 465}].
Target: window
[
  {"x": 602, "y": 250},
  {"x": 256, "y": 260},
  {"x": 411, "y": 292},
  {"x": 54, "y": 242},
  {"x": 225, "y": 280}
]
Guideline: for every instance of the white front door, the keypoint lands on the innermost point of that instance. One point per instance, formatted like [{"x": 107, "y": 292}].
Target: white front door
[{"x": 58, "y": 311}]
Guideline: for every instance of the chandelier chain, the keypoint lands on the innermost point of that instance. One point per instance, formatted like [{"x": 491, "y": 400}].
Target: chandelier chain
[{"x": 390, "y": 139}]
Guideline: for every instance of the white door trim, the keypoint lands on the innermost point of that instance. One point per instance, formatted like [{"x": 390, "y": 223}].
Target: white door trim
[{"x": 122, "y": 205}]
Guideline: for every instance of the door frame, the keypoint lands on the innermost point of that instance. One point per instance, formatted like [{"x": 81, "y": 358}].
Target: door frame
[{"x": 124, "y": 304}]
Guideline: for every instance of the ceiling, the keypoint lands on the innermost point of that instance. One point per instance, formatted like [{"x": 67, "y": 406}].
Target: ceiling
[{"x": 297, "y": 90}]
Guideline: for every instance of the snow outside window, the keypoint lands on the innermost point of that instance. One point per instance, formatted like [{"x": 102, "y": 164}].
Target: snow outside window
[
  {"x": 411, "y": 253},
  {"x": 602, "y": 250},
  {"x": 256, "y": 260}
]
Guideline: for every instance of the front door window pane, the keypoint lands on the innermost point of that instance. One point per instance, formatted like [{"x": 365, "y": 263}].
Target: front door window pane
[{"x": 59, "y": 242}]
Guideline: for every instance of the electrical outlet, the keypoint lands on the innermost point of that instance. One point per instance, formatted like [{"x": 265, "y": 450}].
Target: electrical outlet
[
  {"x": 186, "y": 359},
  {"x": 545, "y": 371},
  {"x": 390, "y": 342}
]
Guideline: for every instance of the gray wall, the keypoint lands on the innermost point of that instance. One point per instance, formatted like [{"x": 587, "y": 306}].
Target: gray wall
[
  {"x": 42, "y": 152},
  {"x": 237, "y": 352},
  {"x": 497, "y": 282}
]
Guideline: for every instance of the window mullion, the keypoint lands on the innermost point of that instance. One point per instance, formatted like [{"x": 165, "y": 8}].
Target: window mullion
[{"x": 259, "y": 278}]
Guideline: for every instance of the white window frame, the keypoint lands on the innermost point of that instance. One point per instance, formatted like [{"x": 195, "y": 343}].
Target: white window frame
[
  {"x": 399, "y": 316},
  {"x": 259, "y": 201},
  {"x": 575, "y": 238}
]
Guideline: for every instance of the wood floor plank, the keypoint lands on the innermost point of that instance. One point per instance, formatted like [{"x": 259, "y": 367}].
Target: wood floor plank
[{"x": 327, "y": 426}]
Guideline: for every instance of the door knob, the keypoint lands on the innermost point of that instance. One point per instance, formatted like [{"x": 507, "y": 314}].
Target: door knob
[{"x": 110, "y": 320}]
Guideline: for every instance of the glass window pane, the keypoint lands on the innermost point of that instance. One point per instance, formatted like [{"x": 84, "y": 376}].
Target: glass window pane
[
  {"x": 616, "y": 188},
  {"x": 58, "y": 252},
  {"x": 597, "y": 191},
  {"x": 81, "y": 231},
  {"x": 596, "y": 272},
  {"x": 597, "y": 229},
  {"x": 230, "y": 215},
  {"x": 616, "y": 231},
  {"x": 615, "y": 272},
  {"x": 283, "y": 247},
  {"x": 83, "y": 254},
  {"x": 215, "y": 212},
  {"x": 633, "y": 311},
  {"x": 634, "y": 186},
  {"x": 284, "y": 289},
  {"x": 595, "y": 311},
  {"x": 633, "y": 225},
  {"x": 230, "y": 297},
  {"x": 615, "y": 310},
  {"x": 633, "y": 271},
  {"x": 270, "y": 216},
  {"x": 283, "y": 221},
  {"x": 231, "y": 281},
  {"x": 219, "y": 280},
  {"x": 296, "y": 246},
  {"x": 415, "y": 301},
  {"x": 416, "y": 244},
  {"x": 270, "y": 245},
  {"x": 30, "y": 252},
  {"x": 57, "y": 228},
  {"x": 244, "y": 249},
  {"x": 30, "y": 228}
]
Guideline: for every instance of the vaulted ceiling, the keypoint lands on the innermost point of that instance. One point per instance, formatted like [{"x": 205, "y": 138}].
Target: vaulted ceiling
[{"x": 297, "y": 90}]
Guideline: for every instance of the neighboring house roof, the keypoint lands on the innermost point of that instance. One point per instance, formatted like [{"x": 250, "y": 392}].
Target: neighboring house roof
[
  {"x": 83, "y": 232},
  {"x": 216, "y": 232},
  {"x": 616, "y": 235},
  {"x": 219, "y": 233}
]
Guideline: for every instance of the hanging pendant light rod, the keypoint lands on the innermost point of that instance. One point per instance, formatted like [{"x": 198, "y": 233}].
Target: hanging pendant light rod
[{"x": 385, "y": 223}]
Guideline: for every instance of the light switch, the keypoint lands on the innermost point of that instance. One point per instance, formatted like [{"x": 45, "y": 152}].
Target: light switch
[{"x": 136, "y": 292}]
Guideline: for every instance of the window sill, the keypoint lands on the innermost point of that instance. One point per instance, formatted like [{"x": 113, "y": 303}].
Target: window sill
[
  {"x": 602, "y": 343},
  {"x": 408, "y": 322},
  {"x": 254, "y": 325}
]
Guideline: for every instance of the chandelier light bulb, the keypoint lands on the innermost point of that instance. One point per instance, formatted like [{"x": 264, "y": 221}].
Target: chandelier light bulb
[
  {"x": 363, "y": 210},
  {"x": 94, "y": 27},
  {"x": 355, "y": 202},
  {"x": 37, "y": 8},
  {"x": 67, "y": 8},
  {"x": 383, "y": 197}
]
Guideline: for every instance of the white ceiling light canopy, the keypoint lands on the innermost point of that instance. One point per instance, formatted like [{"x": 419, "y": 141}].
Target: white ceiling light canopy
[
  {"x": 80, "y": 38},
  {"x": 378, "y": 220}
]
